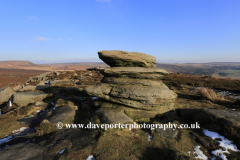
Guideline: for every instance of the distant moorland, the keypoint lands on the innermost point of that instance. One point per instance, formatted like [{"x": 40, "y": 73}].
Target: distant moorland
[{"x": 215, "y": 69}]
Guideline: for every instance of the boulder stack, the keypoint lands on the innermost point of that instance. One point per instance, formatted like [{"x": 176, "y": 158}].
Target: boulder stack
[{"x": 132, "y": 85}]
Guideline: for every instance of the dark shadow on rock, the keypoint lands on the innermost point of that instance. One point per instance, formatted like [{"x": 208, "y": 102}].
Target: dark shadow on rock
[
  {"x": 163, "y": 154},
  {"x": 187, "y": 113},
  {"x": 167, "y": 116},
  {"x": 187, "y": 96},
  {"x": 32, "y": 121},
  {"x": 227, "y": 104},
  {"x": 28, "y": 151}
]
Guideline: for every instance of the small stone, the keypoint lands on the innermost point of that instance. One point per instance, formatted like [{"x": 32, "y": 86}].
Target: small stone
[
  {"x": 113, "y": 117},
  {"x": 168, "y": 132}
]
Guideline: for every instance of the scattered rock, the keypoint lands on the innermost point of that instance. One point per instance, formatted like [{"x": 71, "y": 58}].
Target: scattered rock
[
  {"x": 41, "y": 104},
  {"x": 18, "y": 87},
  {"x": 29, "y": 88},
  {"x": 22, "y": 99},
  {"x": 42, "y": 87},
  {"x": 168, "y": 132},
  {"x": 6, "y": 94},
  {"x": 54, "y": 82}
]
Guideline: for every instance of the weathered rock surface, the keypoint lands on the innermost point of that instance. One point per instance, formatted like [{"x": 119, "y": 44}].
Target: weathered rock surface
[
  {"x": 22, "y": 99},
  {"x": 225, "y": 117},
  {"x": 207, "y": 116},
  {"x": 128, "y": 81},
  {"x": 62, "y": 114},
  {"x": 135, "y": 72},
  {"x": 168, "y": 132},
  {"x": 6, "y": 94},
  {"x": 113, "y": 117},
  {"x": 41, "y": 78},
  {"x": 23, "y": 151},
  {"x": 134, "y": 83},
  {"x": 42, "y": 87},
  {"x": 117, "y": 58},
  {"x": 134, "y": 96},
  {"x": 18, "y": 87},
  {"x": 28, "y": 87},
  {"x": 134, "y": 112}
]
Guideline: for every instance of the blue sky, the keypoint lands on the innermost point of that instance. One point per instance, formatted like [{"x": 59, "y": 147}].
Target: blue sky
[{"x": 174, "y": 31}]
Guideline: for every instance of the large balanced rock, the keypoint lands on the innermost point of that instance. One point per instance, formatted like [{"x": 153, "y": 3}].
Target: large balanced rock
[
  {"x": 132, "y": 85},
  {"x": 5, "y": 94},
  {"x": 127, "y": 59}
]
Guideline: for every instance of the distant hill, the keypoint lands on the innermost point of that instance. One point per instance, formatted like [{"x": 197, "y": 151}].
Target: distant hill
[
  {"x": 215, "y": 69},
  {"x": 50, "y": 67}
]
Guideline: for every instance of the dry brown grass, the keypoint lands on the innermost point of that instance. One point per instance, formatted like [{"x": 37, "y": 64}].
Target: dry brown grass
[
  {"x": 45, "y": 127},
  {"x": 211, "y": 95},
  {"x": 132, "y": 145},
  {"x": 8, "y": 123}
]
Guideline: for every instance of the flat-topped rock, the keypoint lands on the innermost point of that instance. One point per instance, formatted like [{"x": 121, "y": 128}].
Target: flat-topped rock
[{"x": 117, "y": 58}]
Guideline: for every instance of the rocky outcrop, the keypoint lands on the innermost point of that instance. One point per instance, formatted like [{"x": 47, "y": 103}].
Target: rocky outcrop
[
  {"x": 5, "y": 94},
  {"x": 127, "y": 59},
  {"x": 41, "y": 78},
  {"x": 138, "y": 91}
]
